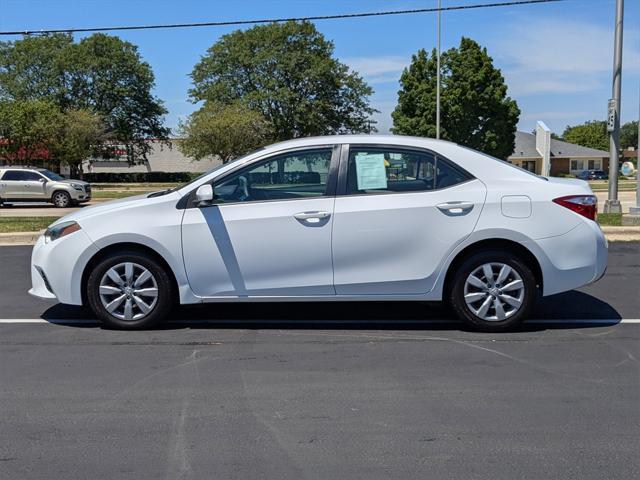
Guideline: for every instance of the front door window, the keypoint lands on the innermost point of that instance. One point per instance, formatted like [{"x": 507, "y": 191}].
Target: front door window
[{"x": 301, "y": 174}]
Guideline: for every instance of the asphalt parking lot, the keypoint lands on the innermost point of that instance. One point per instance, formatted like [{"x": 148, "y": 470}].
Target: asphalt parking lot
[{"x": 344, "y": 390}]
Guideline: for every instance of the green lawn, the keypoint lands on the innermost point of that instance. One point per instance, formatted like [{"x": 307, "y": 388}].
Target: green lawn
[
  {"x": 25, "y": 224},
  {"x": 117, "y": 193},
  {"x": 610, "y": 219},
  {"x": 603, "y": 185},
  {"x": 134, "y": 186}
]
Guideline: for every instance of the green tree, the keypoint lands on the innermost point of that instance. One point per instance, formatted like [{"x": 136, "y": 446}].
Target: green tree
[
  {"x": 592, "y": 134},
  {"x": 101, "y": 73},
  {"x": 285, "y": 71},
  {"x": 475, "y": 108},
  {"x": 28, "y": 129},
  {"x": 629, "y": 135},
  {"x": 110, "y": 78},
  {"x": 226, "y": 131},
  {"x": 36, "y": 68},
  {"x": 79, "y": 134}
]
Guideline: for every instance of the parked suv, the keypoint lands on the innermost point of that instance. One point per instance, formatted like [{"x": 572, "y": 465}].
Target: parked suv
[
  {"x": 19, "y": 184},
  {"x": 593, "y": 175}
]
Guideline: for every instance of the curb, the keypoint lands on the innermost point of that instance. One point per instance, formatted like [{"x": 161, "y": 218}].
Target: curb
[
  {"x": 20, "y": 238},
  {"x": 622, "y": 234},
  {"x": 613, "y": 234}
]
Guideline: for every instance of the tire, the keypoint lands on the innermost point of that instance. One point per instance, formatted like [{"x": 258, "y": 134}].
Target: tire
[
  {"x": 469, "y": 297},
  {"x": 61, "y": 199},
  {"x": 128, "y": 285}
]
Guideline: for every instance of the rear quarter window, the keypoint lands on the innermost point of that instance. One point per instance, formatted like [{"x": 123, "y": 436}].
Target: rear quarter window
[{"x": 14, "y": 175}]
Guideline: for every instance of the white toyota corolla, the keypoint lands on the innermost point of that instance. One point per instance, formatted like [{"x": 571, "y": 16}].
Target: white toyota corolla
[{"x": 332, "y": 218}]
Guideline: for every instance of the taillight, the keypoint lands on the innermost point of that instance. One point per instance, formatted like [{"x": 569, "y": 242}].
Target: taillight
[{"x": 585, "y": 205}]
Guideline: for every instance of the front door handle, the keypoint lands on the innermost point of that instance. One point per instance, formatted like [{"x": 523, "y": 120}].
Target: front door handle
[
  {"x": 312, "y": 215},
  {"x": 455, "y": 209}
]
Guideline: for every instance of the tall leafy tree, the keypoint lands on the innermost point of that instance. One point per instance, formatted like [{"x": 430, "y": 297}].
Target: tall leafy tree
[
  {"x": 592, "y": 134},
  {"x": 225, "y": 131},
  {"x": 79, "y": 133},
  {"x": 110, "y": 78},
  {"x": 28, "y": 129},
  {"x": 287, "y": 73},
  {"x": 629, "y": 135},
  {"x": 101, "y": 73},
  {"x": 475, "y": 108},
  {"x": 36, "y": 68}
]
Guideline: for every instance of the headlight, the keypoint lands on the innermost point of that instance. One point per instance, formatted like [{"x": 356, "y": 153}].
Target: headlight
[
  {"x": 77, "y": 186},
  {"x": 60, "y": 230}
]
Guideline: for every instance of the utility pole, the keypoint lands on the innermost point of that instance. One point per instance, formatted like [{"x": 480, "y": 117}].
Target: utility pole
[
  {"x": 636, "y": 210},
  {"x": 438, "y": 78},
  {"x": 612, "y": 205}
]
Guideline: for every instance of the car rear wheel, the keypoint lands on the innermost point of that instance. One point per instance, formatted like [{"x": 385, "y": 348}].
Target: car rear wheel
[
  {"x": 61, "y": 199},
  {"x": 129, "y": 290},
  {"x": 493, "y": 291}
]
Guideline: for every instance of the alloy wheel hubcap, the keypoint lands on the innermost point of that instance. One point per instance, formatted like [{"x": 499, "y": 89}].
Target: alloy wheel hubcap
[
  {"x": 494, "y": 291},
  {"x": 60, "y": 200},
  {"x": 128, "y": 291}
]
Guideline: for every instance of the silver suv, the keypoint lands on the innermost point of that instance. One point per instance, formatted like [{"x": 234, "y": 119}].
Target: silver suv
[{"x": 19, "y": 184}]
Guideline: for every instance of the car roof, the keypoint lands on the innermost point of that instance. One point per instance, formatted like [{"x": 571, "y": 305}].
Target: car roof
[
  {"x": 361, "y": 139},
  {"x": 21, "y": 167}
]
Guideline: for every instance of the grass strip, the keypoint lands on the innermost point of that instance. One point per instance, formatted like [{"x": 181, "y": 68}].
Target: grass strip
[
  {"x": 117, "y": 193},
  {"x": 610, "y": 219},
  {"x": 25, "y": 224}
]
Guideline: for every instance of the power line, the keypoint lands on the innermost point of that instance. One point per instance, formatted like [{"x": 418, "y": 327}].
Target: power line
[{"x": 280, "y": 20}]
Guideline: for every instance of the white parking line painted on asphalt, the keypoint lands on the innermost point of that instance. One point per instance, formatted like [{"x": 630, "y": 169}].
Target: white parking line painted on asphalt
[{"x": 577, "y": 321}]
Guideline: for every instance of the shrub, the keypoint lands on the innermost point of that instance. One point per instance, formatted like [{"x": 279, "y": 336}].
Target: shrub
[{"x": 140, "y": 177}]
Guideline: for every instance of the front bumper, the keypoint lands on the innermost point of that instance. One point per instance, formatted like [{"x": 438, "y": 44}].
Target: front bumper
[
  {"x": 81, "y": 196},
  {"x": 57, "y": 267}
]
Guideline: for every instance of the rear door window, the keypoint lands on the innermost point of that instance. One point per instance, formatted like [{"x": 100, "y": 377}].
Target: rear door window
[
  {"x": 391, "y": 170},
  {"x": 14, "y": 175}
]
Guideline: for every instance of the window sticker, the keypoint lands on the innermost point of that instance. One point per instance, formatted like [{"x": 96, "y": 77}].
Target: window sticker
[{"x": 370, "y": 171}]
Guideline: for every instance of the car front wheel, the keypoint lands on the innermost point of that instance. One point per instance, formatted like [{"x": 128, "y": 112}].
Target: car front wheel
[
  {"x": 493, "y": 291},
  {"x": 61, "y": 199},
  {"x": 129, "y": 290}
]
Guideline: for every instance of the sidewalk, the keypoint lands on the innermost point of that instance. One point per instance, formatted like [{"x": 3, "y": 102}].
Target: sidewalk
[{"x": 613, "y": 234}]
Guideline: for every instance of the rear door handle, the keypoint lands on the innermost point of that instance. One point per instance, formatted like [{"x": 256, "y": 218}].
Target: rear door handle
[
  {"x": 311, "y": 217},
  {"x": 455, "y": 209}
]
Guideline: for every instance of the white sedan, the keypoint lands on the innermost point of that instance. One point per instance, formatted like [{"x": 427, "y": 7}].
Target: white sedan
[{"x": 362, "y": 218}]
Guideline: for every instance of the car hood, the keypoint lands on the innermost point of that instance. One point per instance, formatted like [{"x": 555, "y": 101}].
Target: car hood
[
  {"x": 70, "y": 181},
  {"x": 114, "y": 205}
]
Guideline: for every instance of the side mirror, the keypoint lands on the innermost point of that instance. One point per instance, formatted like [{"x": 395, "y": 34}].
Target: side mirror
[
  {"x": 204, "y": 195},
  {"x": 43, "y": 180}
]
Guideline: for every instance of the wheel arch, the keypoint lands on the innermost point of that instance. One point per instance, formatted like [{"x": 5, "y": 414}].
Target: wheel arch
[
  {"x": 500, "y": 244},
  {"x": 129, "y": 247}
]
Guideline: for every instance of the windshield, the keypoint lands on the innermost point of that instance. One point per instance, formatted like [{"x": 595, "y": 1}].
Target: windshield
[{"x": 51, "y": 176}]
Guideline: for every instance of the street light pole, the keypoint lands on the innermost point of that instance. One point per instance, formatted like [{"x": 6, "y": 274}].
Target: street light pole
[
  {"x": 612, "y": 205},
  {"x": 636, "y": 210},
  {"x": 438, "y": 79}
]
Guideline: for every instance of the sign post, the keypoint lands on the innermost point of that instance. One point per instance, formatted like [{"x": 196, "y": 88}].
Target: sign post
[{"x": 612, "y": 205}]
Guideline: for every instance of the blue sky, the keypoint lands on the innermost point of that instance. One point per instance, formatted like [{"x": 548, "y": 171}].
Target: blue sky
[{"x": 556, "y": 58}]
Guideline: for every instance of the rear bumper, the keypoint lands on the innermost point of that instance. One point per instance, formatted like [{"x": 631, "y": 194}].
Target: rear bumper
[{"x": 574, "y": 259}]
